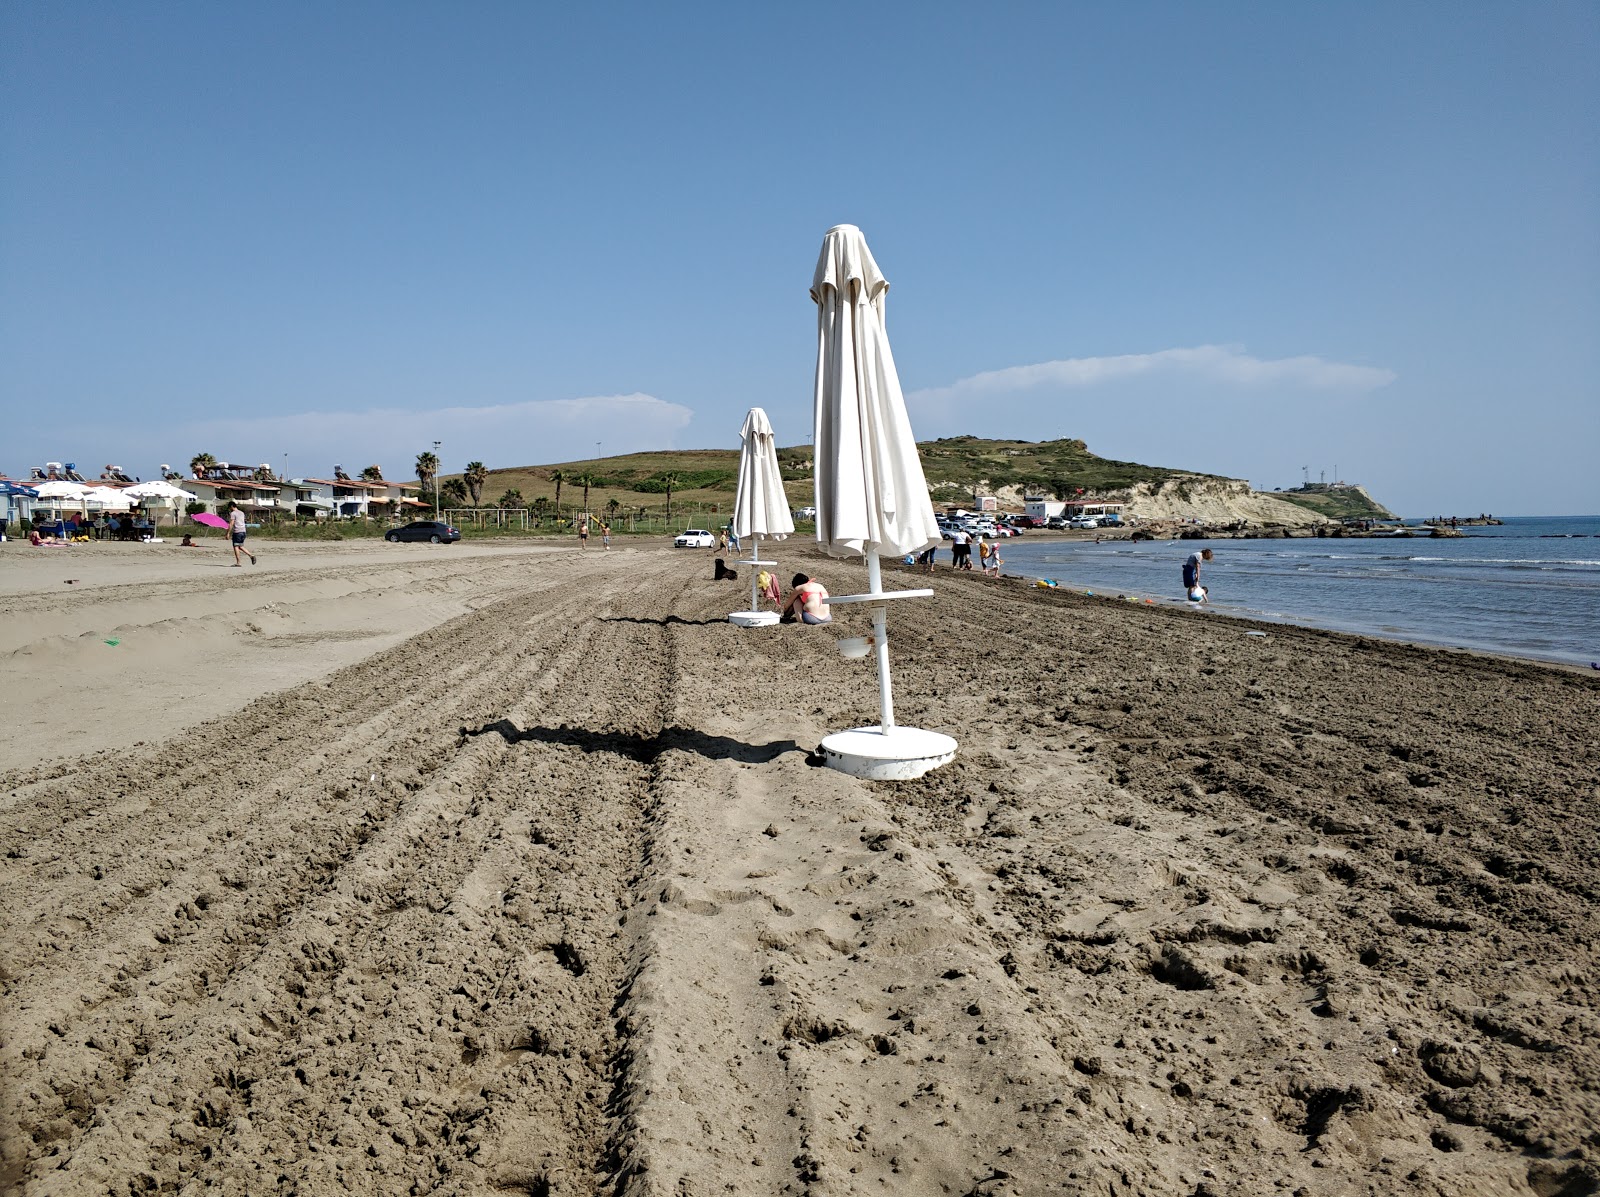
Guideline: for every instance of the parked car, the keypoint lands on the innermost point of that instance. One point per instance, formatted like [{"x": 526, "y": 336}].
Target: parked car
[
  {"x": 1085, "y": 522},
  {"x": 694, "y": 538},
  {"x": 1026, "y": 521},
  {"x": 432, "y": 531},
  {"x": 1056, "y": 521}
]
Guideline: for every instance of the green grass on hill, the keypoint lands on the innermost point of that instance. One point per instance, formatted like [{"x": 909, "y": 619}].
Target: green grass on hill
[
  {"x": 1336, "y": 504},
  {"x": 708, "y": 477}
]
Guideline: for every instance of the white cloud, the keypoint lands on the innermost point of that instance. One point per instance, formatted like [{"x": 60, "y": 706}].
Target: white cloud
[
  {"x": 1213, "y": 365},
  {"x": 508, "y": 434}
]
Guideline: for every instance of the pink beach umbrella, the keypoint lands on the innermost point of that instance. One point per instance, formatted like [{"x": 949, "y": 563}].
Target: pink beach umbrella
[{"x": 209, "y": 520}]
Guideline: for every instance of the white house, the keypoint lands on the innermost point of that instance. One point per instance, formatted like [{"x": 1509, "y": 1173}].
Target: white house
[
  {"x": 1041, "y": 508},
  {"x": 346, "y": 497}
]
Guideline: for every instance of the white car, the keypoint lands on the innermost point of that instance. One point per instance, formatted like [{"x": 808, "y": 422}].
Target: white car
[{"x": 694, "y": 538}]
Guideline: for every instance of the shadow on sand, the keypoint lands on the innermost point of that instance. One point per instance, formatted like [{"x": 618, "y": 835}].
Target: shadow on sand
[
  {"x": 664, "y": 621},
  {"x": 637, "y": 747}
]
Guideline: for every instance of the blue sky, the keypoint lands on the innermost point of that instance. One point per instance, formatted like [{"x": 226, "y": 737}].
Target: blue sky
[{"x": 1237, "y": 238}]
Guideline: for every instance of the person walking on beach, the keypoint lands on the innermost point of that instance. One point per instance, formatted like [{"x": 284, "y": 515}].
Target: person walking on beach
[
  {"x": 991, "y": 564},
  {"x": 960, "y": 550},
  {"x": 583, "y": 534},
  {"x": 733, "y": 538},
  {"x": 1191, "y": 569},
  {"x": 605, "y": 535},
  {"x": 236, "y": 533}
]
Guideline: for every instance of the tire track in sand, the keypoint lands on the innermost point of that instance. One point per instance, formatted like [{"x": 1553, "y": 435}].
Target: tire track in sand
[{"x": 418, "y": 995}]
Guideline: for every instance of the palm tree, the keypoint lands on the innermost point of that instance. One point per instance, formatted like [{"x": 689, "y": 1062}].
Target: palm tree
[
  {"x": 671, "y": 480},
  {"x": 587, "y": 480},
  {"x": 200, "y": 463},
  {"x": 427, "y": 468},
  {"x": 612, "y": 506},
  {"x": 475, "y": 475},
  {"x": 372, "y": 474},
  {"x": 558, "y": 477},
  {"x": 453, "y": 490},
  {"x": 538, "y": 505},
  {"x": 512, "y": 498}
]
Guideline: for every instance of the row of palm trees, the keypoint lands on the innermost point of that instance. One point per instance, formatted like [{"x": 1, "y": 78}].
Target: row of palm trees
[
  {"x": 469, "y": 487},
  {"x": 476, "y": 475}
]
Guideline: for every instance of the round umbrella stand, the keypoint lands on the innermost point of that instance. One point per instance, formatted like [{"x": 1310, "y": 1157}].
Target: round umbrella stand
[
  {"x": 887, "y": 751},
  {"x": 753, "y": 618},
  {"x": 899, "y": 754}
]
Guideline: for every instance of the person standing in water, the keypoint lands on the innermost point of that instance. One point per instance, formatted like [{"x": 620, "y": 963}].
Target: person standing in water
[{"x": 1191, "y": 569}]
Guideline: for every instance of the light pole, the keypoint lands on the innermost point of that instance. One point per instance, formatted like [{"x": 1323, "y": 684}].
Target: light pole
[{"x": 436, "y": 468}]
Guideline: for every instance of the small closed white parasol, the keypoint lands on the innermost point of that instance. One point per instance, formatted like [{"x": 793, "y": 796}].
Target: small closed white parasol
[
  {"x": 872, "y": 497},
  {"x": 760, "y": 506}
]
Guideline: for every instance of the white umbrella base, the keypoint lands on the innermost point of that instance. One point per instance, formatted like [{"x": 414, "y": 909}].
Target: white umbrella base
[
  {"x": 904, "y": 753},
  {"x": 753, "y": 619}
]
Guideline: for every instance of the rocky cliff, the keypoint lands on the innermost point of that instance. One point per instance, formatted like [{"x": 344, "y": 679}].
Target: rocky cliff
[{"x": 1212, "y": 501}]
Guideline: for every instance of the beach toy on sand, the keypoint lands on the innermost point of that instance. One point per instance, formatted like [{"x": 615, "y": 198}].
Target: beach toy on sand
[{"x": 1045, "y": 583}]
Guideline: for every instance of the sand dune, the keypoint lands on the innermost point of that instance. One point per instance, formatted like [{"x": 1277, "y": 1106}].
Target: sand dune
[{"x": 539, "y": 890}]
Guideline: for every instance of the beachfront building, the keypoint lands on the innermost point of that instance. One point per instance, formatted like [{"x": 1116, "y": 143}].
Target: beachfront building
[
  {"x": 298, "y": 497},
  {"x": 348, "y": 498},
  {"x": 215, "y": 493},
  {"x": 1041, "y": 508},
  {"x": 394, "y": 499},
  {"x": 1085, "y": 507}
]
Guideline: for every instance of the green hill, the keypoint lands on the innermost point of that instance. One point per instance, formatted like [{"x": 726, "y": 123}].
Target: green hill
[
  {"x": 1337, "y": 503},
  {"x": 707, "y": 477}
]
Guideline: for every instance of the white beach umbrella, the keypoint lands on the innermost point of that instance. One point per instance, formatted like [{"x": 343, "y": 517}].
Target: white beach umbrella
[
  {"x": 107, "y": 498},
  {"x": 760, "y": 506},
  {"x": 871, "y": 493},
  {"x": 56, "y": 494},
  {"x": 872, "y": 497},
  {"x": 58, "y": 491},
  {"x": 159, "y": 490}
]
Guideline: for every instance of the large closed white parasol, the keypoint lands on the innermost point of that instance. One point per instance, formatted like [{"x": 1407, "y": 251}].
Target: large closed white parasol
[
  {"x": 872, "y": 497},
  {"x": 760, "y": 506}
]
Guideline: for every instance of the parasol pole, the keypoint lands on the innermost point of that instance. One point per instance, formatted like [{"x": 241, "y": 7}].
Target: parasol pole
[
  {"x": 880, "y": 639},
  {"x": 755, "y": 552}
]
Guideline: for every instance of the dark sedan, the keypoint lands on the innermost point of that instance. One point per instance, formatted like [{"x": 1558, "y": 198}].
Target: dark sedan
[{"x": 432, "y": 531}]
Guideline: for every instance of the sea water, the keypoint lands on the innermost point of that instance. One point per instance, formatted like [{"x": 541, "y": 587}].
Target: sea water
[{"x": 1529, "y": 587}]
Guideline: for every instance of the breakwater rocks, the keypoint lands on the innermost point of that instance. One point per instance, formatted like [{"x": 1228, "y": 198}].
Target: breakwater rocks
[{"x": 1242, "y": 531}]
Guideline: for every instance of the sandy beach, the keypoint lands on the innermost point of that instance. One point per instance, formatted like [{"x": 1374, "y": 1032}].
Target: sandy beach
[{"x": 476, "y": 869}]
